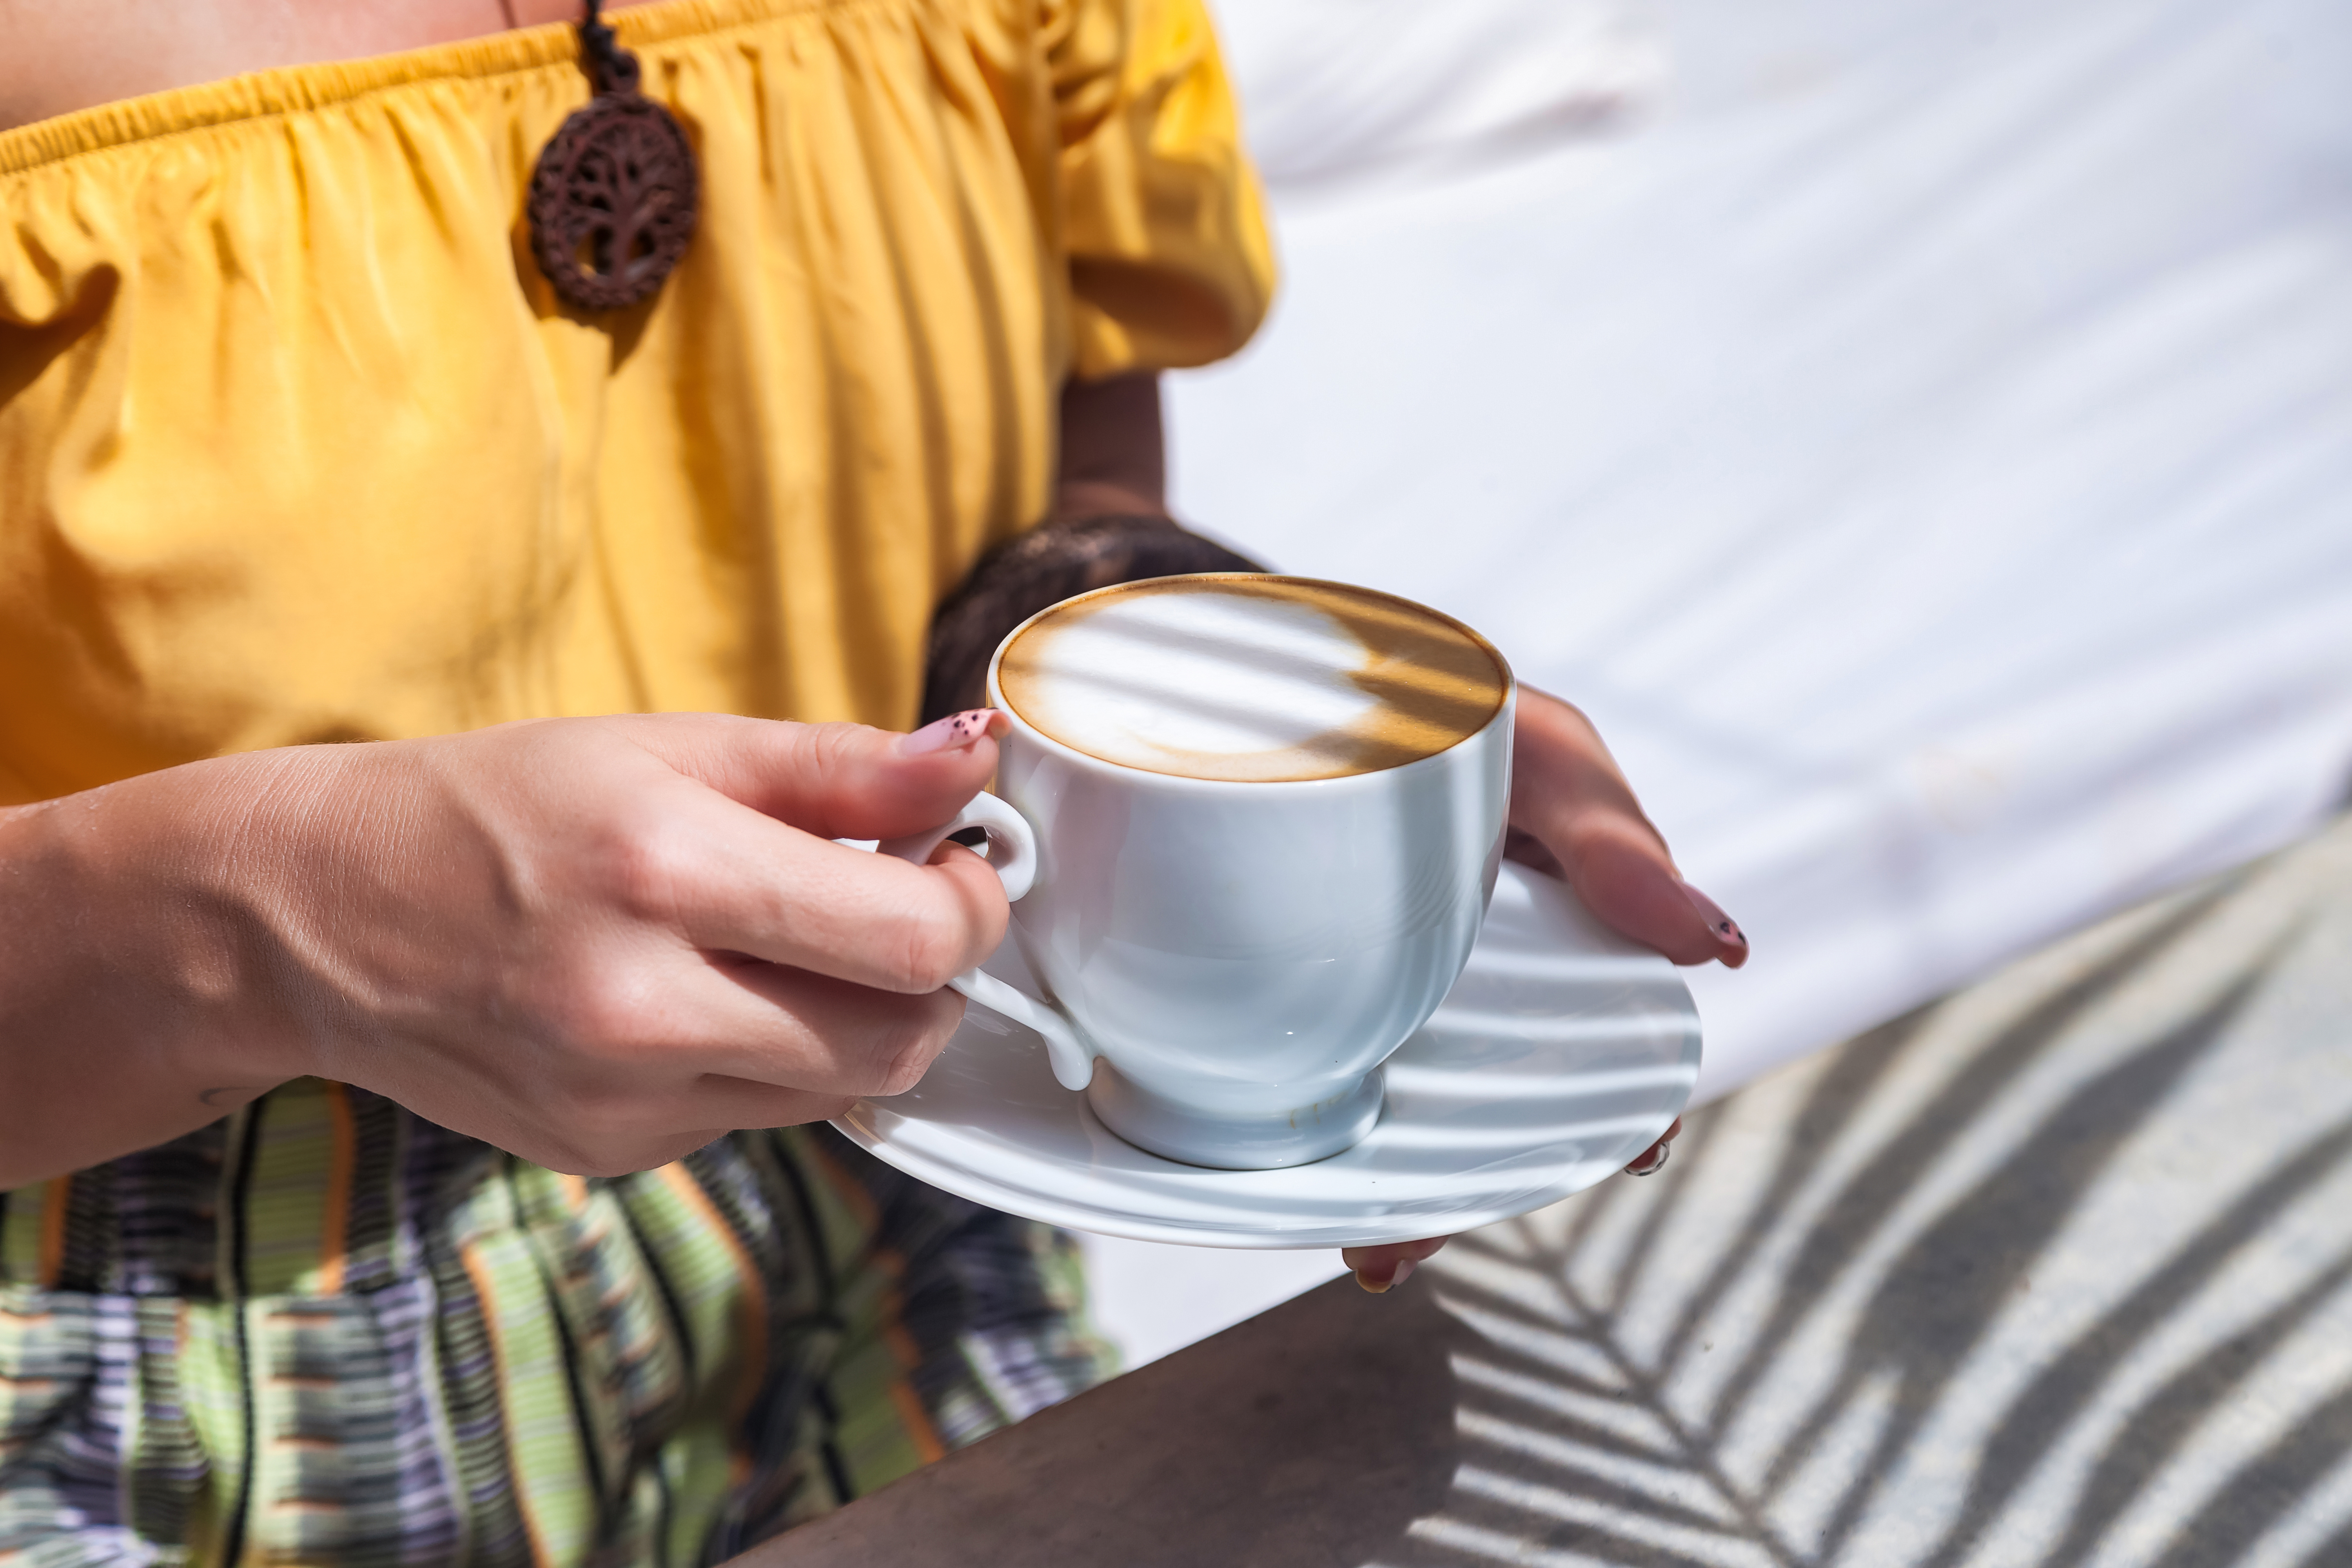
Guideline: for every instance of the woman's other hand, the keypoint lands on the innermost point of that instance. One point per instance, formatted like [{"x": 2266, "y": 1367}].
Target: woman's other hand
[
  {"x": 597, "y": 944},
  {"x": 1574, "y": 816}
]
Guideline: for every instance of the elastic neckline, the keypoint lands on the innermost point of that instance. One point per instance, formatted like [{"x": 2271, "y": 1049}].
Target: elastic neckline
[{"x": 293, "y": 89}]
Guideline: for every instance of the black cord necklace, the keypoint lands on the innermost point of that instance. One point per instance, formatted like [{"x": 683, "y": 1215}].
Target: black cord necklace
[{"x": 613, "y": 197}]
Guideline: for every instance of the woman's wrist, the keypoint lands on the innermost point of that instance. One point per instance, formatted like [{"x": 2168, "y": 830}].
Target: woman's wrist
[
  {"x": 1078, "y": 500},
  {"x": 127, "y": 979},
  {"x": 1113, "y": 458}
]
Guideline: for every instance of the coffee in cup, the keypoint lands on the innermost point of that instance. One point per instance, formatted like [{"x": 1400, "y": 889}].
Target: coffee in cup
[
  {"x": 1249, "y": 824},
  {"x": 1250, "y": 678}
]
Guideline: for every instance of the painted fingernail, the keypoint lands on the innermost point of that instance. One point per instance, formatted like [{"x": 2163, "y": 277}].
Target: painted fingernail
[
  {"x": 942, "y": 734},
  {"x": 1726, "y": 930},
  {"x": 1652, "y": 1159},
  {"x": 1403, "y": 1273}
]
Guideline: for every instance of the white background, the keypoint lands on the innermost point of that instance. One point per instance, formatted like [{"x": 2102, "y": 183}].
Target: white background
[{"x": 1918, "y": 432}]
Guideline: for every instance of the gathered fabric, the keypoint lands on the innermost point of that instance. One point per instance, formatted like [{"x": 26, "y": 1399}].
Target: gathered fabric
[{"x": 297, "y": 444}]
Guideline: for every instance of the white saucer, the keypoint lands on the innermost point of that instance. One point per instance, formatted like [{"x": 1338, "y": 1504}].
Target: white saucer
[{"x": 1562, "y": 1052}]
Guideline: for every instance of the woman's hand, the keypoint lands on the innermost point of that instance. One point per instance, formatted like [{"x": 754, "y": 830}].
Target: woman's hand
[
  {"x": 1574, "y": 816},
  {"x": 597, "y": 944}
]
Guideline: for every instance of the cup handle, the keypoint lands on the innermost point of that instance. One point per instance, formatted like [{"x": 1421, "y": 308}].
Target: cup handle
[{"x": 1013, "y": 855}]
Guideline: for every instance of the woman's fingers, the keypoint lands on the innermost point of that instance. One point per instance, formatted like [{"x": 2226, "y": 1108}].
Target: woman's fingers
[
  {"x": 851, "y": 914},
  {"x": 739, "y": 855},
  {"x": 1653, "y": 1158},
  {"x": 728, "y": 880},
  {"x": 834, "y": 781},
  {"x": 1623, "y": 876},
  {"x": 1391, "y": 1264},
  {"x": 617, "y": 1069},
  {"x": 1571, "y": 806},
  {"x": 787, "y": 1027}
]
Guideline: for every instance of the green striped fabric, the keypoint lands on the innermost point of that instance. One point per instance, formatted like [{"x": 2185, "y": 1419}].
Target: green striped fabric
[{"x": 324, "y": 1331}]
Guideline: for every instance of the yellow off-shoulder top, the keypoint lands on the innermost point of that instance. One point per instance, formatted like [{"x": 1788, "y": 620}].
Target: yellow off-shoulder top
[{"x": 297, "y": 444}]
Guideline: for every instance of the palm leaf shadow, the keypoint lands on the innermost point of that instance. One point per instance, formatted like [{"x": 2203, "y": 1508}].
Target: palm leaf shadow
[
  {"x": 1862, "y": 1207},
  {"x": 2262, "y": 1491},
  {"x": 2159, "y": 1426},
  {"x": 1589, "y": 1433},
  {"x": 1562, "y": 1388},
  {"x": 1944, "y": 1290}
]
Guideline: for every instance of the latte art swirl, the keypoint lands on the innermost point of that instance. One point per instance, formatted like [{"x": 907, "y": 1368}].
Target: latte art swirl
[{"x": 1251, "y": 678}]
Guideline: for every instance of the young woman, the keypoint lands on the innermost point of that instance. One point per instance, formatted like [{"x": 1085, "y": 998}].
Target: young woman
[{"x": 380, "y": 1018}]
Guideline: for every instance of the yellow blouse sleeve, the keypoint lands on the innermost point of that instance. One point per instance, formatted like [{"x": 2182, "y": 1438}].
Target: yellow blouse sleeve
[{"x": 1170, "y": 260}]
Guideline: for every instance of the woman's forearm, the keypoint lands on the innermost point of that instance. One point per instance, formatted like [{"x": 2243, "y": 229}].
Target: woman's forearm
[{"x": 1113, "y": 449}]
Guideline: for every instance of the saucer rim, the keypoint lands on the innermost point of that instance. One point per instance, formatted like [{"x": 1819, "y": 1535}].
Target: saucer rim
[
  {"x": 968, "y": 1184},
  {"x": 974, "y": 1182}
]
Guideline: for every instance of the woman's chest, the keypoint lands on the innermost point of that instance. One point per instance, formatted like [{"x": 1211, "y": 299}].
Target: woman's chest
[
  {"x": 296, "y": 443},
  {"x": 66, "y": 55}
]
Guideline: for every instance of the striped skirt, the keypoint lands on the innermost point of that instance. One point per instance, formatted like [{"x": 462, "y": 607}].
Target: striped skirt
[{"x": 324, "y": 1331}]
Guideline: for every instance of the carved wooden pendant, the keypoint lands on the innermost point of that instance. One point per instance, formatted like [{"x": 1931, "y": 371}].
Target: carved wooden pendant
[{"x": 613, "y": 197}]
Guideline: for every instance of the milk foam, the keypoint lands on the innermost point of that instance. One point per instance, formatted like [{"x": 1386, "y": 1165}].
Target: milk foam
[{"x": 1251, "y": 678}]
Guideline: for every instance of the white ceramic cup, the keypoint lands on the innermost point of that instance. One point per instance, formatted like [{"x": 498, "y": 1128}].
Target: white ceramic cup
[{"x": 1227, "y": 964}]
